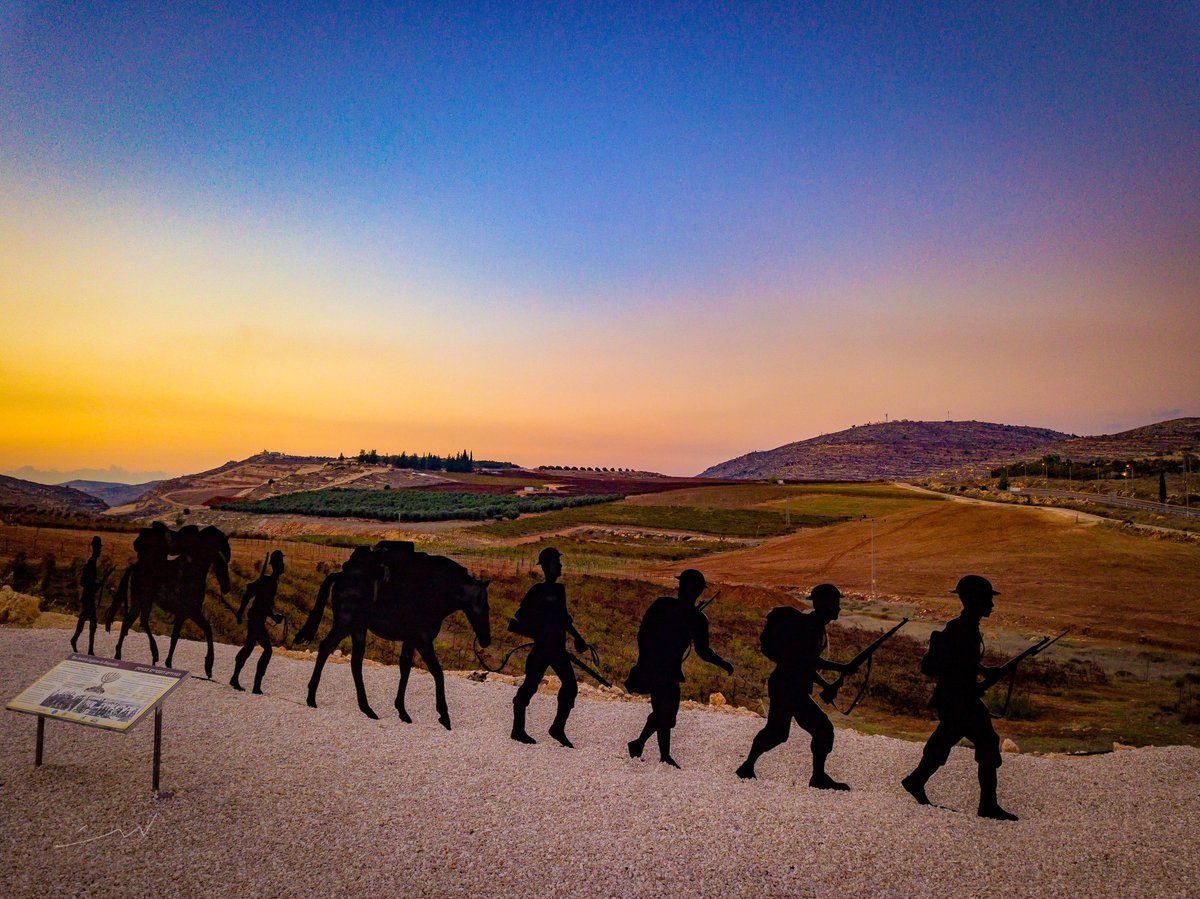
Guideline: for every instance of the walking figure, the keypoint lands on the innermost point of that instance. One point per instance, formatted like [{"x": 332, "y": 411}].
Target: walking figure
[
  {"x": 543, "y": 616},
  {"x": 262, "y": 591},
  {"x": 669, "y": 628},
  {"x": 955, "y": 659},
  {"x": 794, "y": 640},
  {"x": 90, "y": 586}
]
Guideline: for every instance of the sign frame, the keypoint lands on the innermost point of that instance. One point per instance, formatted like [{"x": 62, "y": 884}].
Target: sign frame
[{"x": 152, "y": 685}]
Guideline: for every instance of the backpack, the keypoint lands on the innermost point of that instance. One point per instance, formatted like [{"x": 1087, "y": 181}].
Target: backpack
[
  {"x": 779, "y": 633},
  {"x": 934, "y": 660}
]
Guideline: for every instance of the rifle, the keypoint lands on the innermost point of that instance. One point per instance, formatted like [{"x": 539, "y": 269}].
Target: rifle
[
  {"x": 1010, "y": 668},
  {"x": 829, "y": 694},
  {"x": 582, "y": 666},
  {"x": 701, "y": 606}
]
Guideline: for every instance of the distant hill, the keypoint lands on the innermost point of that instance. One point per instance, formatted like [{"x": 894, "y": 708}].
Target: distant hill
[
  {"x": 112, "y": 493},
  {"x": 1165, "y": 438},
  {"x": 894, "y": 449},
  {"x": 18, "y": 494}
]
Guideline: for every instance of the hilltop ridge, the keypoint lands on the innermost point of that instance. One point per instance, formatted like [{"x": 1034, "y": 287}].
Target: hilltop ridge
[{"x": 894, "y": 449}]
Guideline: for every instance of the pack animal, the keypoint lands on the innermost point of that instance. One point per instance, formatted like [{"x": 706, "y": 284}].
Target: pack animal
[{"x": 397, "y": 594}]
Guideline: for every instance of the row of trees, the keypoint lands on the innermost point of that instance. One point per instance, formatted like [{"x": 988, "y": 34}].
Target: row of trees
[
  {"x": 464, "y": 461},
  {"x": 1053, "y": 466}
]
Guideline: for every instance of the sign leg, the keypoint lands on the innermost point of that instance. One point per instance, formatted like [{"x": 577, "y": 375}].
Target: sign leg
[
  {"x": 157, "y": 746},
  {"x": 41, "y": 734}
]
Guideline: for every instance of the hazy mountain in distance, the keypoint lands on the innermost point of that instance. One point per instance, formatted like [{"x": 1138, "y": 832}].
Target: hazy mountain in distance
[
  {"x": 111, "y": 475},
  {"x": 112, "y": 493}
]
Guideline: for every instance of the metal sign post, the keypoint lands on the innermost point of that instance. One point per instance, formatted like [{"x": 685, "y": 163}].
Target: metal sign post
[{"x": 103, "y": 693}]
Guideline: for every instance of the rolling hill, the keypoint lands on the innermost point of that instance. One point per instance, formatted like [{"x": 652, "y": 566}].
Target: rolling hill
[
  {"x": 895, "y": 449},
  {"x": 18, "y": 494},
  {"x": 1164, "y": 438}
]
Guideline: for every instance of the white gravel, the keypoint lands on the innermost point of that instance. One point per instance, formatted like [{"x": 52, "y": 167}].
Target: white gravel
[{"x": 264, "y": 796}]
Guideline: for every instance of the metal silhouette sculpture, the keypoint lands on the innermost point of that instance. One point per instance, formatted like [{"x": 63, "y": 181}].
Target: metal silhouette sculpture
[
  {"x": 171, "y": 572},
  {"x": 955, "y": 658},
  {"x": 543, "y": 616},
  {"x": 262, "y": 591},
  {"x": 794, "y": 640},
  {"x": 671, "y": 626},
  {"x": 91, "y": 586},
  {"x": 397, "y": 594}
]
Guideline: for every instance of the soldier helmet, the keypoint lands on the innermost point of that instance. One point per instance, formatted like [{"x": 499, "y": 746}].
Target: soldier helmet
[
  {"x": 276, "y": 558},
  {"x": 973, "y": 586},
  {"x": 691, "y": 578},
  {"x": 549, "y": 554},
  {"x": 95, "y": 542},
  {"x": 824, "y": 593}
]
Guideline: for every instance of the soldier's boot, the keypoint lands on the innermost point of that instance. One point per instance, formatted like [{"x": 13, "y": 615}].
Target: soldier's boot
[
  {"x": 820, "y": 780},
  {"x": 914, "y": 783},
  {"x": 558, "y": 730},
  {"x": 664, "y": 747},
  {"x": 989, "y": 807},
  {"x": 636, "y": 746},
  {"x": 237, "y": 669},
  {"x": 518, "y": 728},
  {"x": 260, "y": 671}
]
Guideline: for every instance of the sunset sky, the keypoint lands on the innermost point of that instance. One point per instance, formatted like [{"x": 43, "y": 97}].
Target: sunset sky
[{"x": 643, "y": 236}]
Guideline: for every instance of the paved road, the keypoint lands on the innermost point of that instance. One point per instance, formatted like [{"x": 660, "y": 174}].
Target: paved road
[{"x": 1111, "y": 499}]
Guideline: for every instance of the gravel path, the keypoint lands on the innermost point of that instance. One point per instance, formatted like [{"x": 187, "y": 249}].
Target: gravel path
[{"x": 264, "y": 796}]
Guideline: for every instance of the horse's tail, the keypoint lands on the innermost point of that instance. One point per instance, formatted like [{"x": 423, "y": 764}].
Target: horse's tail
[
  {"x": 309, "y": 631},
  {"x": 120, "y": 600}
]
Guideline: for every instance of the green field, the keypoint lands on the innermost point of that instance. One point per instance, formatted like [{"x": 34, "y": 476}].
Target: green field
[
  {"x": 743, "y": 523},
  {"x": 409, "y": 505}
]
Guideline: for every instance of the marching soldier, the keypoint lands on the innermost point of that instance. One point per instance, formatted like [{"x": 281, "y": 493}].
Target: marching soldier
[
  {"x": 543, "y": 616},
  {"x": 89, "y": 593},
  {"x": 795, "y": 641},
  {"x": 670, "y": 626},
  {"x": 955, "y": 659},
  {"x": 262, "y": 591}
]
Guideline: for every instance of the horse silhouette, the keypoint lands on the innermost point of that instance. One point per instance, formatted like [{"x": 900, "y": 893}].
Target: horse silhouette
[
  {"x": 397, "y": 594},
  {"x": 176, "y": 585}
]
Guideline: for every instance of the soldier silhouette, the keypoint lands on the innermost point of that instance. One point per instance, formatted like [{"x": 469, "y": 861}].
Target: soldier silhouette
[
  {"x": 670, "y": 626},
  {"x": 543, "y": 616},
  {"x": 955, "y": 659},
  {"x": 90, "y": 586},
  {"x": 262, "y": 591},
  {"x": 795, "y": 641}
]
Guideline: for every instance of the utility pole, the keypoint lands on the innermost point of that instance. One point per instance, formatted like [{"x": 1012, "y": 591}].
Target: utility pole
[{"x": 872, "y": 558}]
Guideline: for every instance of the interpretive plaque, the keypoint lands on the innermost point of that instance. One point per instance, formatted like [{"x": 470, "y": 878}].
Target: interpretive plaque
[
  {"x": 104, "y": 693},
  {"x": 98, "y": 692}
]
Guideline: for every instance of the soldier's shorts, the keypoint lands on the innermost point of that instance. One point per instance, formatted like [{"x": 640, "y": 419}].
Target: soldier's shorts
[
  {"x": 970, "y": 720},
  {"x": 664, "y": 704}
]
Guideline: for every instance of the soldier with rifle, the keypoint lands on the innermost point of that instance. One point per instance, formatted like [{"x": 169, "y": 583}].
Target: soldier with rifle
[
  {"x": 955, "y": 658},
  {"x": 543, "y": 616},
  {"x": 262, "y": 592},
  {"x": 90, "y": 588},
  {"x": 794, "y": 640},
  {"x": 669, "y": 628}
]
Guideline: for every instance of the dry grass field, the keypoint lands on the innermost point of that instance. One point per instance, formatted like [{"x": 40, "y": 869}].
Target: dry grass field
[{"x": 1051, "y": 571}]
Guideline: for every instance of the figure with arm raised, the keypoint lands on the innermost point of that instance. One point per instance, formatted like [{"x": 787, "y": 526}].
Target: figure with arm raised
[{"x": 262, "y": 592}]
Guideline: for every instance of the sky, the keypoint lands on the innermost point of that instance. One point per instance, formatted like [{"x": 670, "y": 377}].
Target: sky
[{"x": 653, "y": 236}]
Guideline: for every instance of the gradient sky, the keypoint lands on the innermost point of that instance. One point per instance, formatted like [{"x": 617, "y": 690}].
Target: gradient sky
[{"x": 654, "y": 237}]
